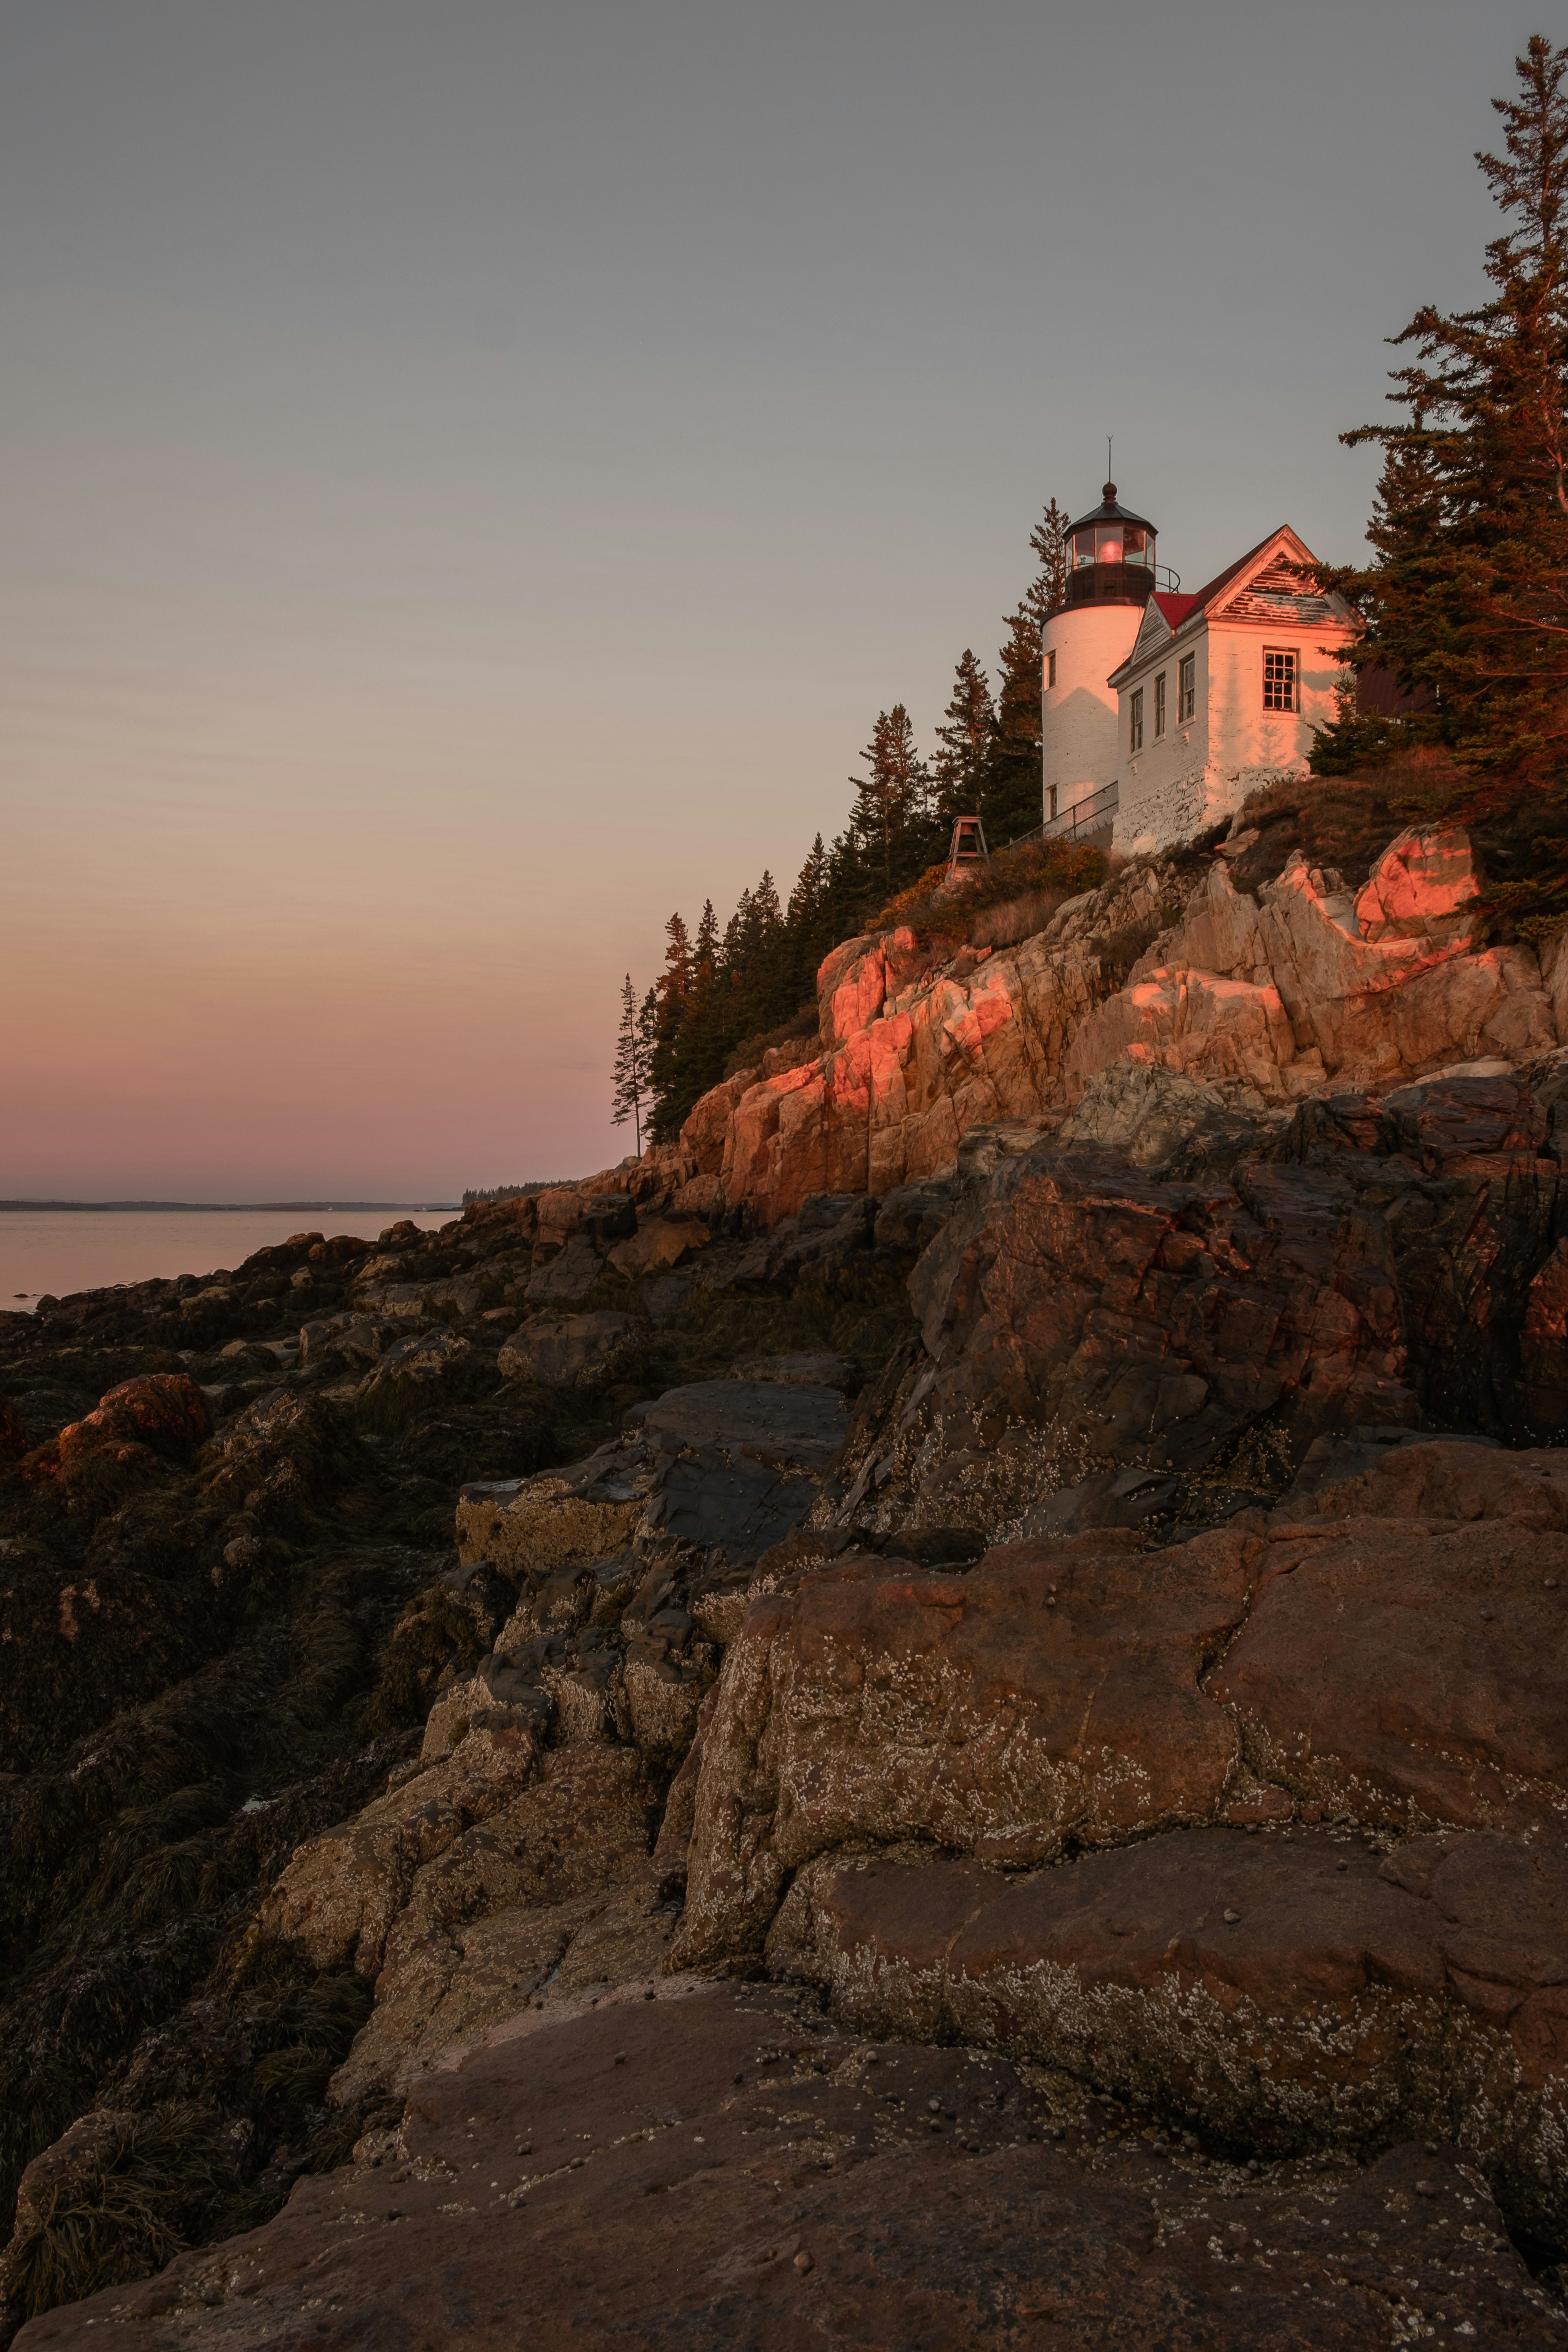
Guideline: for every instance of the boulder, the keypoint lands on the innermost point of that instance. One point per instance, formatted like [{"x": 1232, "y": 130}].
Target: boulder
[
  {"x": 1283, "y": 1993},
  {"x": 571, "y": 1352},
  {"x": 567, "y": 1276},
  {"x": 356, "y": 1337},
  {"x": 789, "y": 1424},
  {"x": 736, "y": 1464},
  {"x": 341, "y": 1892},
  {"x": 1050, "y": 1694},
  {"x": 413, "y": 1376},
  {"x": 281, "y": 1459},
  {"x": 582, "y": 1827},
  {"x": 1156, "y": 1118},
  {"x": 911, "y": 1215},
  {"x": 165, "y": 1412},
  {"x": 663, "y": 1242},
  {"x": 560, "y": 1518},
  {"x": 1413, "y": 1671},
  {"x": 442, "y": 1993}
]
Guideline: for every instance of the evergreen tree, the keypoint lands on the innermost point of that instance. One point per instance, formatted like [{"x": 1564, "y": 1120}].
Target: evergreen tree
[
  {"x": 809, "y": 925},
  {"x": 1013, "y": 802},
  {"x": 967, "y": 738},
  {"x": 891, "y": 814},
  {"x": 677, "y": 976},
  {"x": 698, "y": 1061},
  {"x": 1047, "y": 593},
  {"x": 810, "y": 889},
  {"x": 1469, "y": 588},
  {"x": 668, "y": 996},
  {"x": 631, "y": 1065}
]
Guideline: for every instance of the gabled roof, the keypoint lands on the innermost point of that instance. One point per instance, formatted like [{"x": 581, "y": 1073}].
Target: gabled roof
[
  {"x": 1259, "y": 586},
  {"x": 1264, "y": 575}
]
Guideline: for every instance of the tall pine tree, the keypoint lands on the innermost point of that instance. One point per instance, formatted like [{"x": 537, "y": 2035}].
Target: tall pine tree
[
  {"x": 630, "y": 1075},
  {"x": 668, "y": 996},
  {"x": 890, "y": 820},
  {"x": 967, "y": 738},
  {"x": 1013, "y": 802},
  {"x": 1468, "y": 593},
  {"x": 1048, "y": 592}
]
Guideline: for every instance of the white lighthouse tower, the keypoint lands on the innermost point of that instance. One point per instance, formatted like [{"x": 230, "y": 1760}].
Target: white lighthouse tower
[{"x": 1111, "y": 579}]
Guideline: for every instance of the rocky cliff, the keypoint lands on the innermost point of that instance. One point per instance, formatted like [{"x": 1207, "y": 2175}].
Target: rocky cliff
[
  {"x": 1266, "y": 993},
  {"x": 940, "y": 1714}
]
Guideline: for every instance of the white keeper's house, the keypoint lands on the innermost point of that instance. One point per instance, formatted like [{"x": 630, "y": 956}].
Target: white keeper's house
[{"x": 1161, "y": 712}]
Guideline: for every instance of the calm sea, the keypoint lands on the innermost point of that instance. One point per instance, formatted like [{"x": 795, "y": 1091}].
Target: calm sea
[{"x": 61, "y": 1250}]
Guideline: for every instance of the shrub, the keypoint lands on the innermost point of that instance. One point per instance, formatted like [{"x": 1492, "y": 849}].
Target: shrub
[{"x": 1012, "y": 897}]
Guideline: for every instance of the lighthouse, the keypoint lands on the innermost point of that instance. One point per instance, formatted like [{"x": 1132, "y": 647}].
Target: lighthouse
[{"x": 1110, "y": 578}]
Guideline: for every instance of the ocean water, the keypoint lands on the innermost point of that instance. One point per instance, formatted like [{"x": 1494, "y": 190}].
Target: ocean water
[{"x": 56, "y": 1251}]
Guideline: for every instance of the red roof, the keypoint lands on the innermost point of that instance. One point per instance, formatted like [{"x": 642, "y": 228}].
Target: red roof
[{"x": 1175, "y": 608}]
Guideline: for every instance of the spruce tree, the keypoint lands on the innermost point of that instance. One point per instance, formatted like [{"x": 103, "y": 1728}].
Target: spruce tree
[
  {"x": 967, "y": 738},
  {"x": 1048, "y": 592},
  {"x": 1013, "y": 801},
  {"x": 697, "y": 1062},
  {"x": 1469, "y": 588},
  {"x": 890, "y": 820},
  {"x": 631, "y": 1065},
  {"x": 669, "y": 994},
  {"x": 808, "y": 920}
]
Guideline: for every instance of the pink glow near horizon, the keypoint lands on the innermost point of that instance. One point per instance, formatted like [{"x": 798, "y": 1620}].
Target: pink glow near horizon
[{"x": 473, "y": 476}]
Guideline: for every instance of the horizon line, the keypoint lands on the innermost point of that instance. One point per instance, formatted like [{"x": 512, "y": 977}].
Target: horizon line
[{"x": 294, "y": 1208}]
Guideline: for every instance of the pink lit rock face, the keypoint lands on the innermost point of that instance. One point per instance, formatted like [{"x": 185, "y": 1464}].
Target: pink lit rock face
[{"x": 1269, "y": 998}]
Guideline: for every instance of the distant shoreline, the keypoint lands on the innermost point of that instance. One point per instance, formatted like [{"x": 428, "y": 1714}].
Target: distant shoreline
[{"x": 251, "y": 1208}]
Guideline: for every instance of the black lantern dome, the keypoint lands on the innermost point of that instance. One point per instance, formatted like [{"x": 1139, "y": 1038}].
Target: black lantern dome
[{"x": 1110, "y": 555}]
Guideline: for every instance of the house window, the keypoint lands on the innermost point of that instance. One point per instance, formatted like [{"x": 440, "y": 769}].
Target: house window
[
  {"x": 1159, "y": 705},
  {"x": 1187, "y": 688},
  {"x": 1050, "y": 671},
  {"x": 1135, "y": 728},
  {"x": 1278, "y": 679}
]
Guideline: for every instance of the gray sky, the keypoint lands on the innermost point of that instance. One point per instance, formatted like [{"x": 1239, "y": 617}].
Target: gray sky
[{"x": 472, "y": 474}]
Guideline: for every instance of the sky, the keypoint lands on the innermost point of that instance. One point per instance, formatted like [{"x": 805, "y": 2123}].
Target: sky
[{"x": 471, "y": 473}]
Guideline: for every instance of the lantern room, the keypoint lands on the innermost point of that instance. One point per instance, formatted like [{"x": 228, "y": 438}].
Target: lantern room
[{"x": 1110, "y": 556}]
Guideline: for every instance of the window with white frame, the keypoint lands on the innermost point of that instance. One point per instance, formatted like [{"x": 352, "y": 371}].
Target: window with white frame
[
  {"x": 1187, "y": 688},
  {"x": 1159, "y": 705},
  {"x": 1135, "y": 722},
  {"x": 1050, "y": 671},
  {"x": 1280, "y": 679}
]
